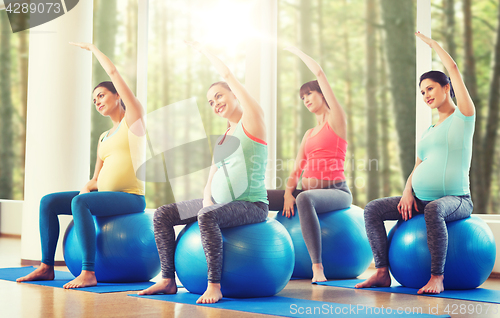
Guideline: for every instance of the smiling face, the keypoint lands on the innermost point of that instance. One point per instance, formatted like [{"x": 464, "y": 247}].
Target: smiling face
[
  {"x": 105, "y": 101},
  {"x": 313, "y": 100},
  {"x": 222, "y": 100},
  {"x": 433, "y": 93}
]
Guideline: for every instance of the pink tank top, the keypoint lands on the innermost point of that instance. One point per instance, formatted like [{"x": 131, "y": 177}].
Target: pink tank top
[{"x": 325, "y": 155}]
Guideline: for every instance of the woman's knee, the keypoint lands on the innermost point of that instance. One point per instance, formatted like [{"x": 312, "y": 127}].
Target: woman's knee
[
  {"x": 78, "y": 202},
  {"x": 373, "y": 207},
  {"x": 49, "y": 202},
  {"x": 165, "y": 214},
  {"x": 435, "y": 211},
  {"x": 303, "y": 200},
  {"x": 79, "y": 205},
  {"x": 205, "y": 214},
  {"x": 48, "y": 206}
]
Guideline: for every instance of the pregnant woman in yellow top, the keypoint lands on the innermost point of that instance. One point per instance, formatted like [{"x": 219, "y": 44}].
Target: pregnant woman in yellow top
[{"x": 114, "y": 188}]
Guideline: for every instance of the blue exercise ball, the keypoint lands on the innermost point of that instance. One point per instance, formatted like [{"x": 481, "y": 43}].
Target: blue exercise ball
[
  {"x": 346, "y": 252},
  {"x": 390, "y": 235},
  {"x": 257, "y": 260},
  {"x": 469, "y": 261},
  {"x": 126, "y": 250}
]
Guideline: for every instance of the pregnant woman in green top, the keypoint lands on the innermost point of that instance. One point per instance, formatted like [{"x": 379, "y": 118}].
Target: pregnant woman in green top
[
  {"x": 440, "y": 178},
  {"x": 235, "y": 193}
]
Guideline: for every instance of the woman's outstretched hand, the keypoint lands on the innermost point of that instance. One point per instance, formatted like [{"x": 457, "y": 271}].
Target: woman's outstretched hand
[
  {"x": 424, "y": 38},
  {"x": 85, "y": 46},
  {"x": 195, "y": 45},
  {"x": 292, "y": 49}
]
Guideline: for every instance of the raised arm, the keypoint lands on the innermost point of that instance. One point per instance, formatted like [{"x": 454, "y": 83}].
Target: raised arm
[
  {"x": 337, "y": 117},
  {"x": 134, "y": 110},
  {"x": 464, "y": 101},
  {"x": 253, "y": 115}
]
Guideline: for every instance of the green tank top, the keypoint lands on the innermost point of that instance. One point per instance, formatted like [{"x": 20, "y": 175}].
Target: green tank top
[
  {"x": 241, "y": 167},
  {"x": 445, "y": 151}
]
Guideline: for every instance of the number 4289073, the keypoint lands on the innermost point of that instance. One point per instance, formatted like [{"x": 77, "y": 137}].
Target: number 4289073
[{"x": 47, "y": 7}]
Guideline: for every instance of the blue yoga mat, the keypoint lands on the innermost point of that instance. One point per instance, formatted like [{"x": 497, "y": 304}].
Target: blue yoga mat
[
  {"x": 287, "y": 307},
  {"x": 477, "y": 294},
  {"x": 61, "y": 278}
]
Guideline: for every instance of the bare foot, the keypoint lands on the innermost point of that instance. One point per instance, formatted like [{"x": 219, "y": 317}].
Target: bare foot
[
  {"x": 44, "y": 272},
  {"x": 211, "y": 295},
  {"x": 318, "y": 273},
  {"x": 433, "y": 286},
  {"x": 381, "y": 278},
  {"x": 85, "y": 279},
  {"x": 164, "y": 286}
]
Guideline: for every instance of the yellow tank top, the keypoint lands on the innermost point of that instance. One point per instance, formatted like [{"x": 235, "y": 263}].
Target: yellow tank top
[{"x": 122, "y": 153}]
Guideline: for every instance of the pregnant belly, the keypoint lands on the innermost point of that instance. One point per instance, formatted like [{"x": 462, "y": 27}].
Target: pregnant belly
[
  {"x": 427, "y": 180},
  {"x": 228, "y": 185}
]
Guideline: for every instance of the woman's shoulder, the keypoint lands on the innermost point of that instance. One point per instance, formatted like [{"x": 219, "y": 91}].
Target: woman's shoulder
[
  {"x": 103, "y": 134},
  {"x": 307, "y": 134},
  {"x": 310, "y": 131},
  {"x": 459, "y": 114}
]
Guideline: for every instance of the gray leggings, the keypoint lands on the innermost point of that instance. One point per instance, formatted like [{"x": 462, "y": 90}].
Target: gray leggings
[
  {"x": 210, "y": 219},
  {"x": 436, "y": 213},
  {"x": 309, "y": 204}
]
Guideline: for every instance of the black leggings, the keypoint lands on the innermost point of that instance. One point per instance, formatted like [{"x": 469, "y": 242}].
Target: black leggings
[
  {"x": 437, "y": 213},
  {"x": 210, "y": 219}
]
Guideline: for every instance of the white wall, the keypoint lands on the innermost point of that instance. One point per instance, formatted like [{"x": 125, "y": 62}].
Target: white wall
[
  {"x": 261, "y": 74},
  {"x": 58, "y": 117},
  {"x": 11, "y": 217}
]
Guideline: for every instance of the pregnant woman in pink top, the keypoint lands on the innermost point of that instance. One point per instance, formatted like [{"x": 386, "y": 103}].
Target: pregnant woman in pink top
[{"x": 321, "y": 157}]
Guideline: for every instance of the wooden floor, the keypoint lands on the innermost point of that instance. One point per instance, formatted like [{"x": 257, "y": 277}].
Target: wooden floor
[{"x": 25, "y": 300}]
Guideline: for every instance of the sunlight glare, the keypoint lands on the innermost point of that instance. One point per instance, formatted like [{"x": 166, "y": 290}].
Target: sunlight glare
[{"x": 225, "y": 23}]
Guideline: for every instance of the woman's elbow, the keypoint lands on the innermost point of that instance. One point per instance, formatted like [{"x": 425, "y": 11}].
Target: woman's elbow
[
  {"x": 112, "y": 71},
  {"x": 227, "y": 75},
  {"x": 320, "y": 74},
  {"x": 453, "y": 68}
]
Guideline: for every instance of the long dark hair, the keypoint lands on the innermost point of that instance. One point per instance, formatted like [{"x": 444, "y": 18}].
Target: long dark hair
[
  {"x": 110, "y": 87},
  {"x": 311, "y": 87},
  {"x": 438, "y": 77}
]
